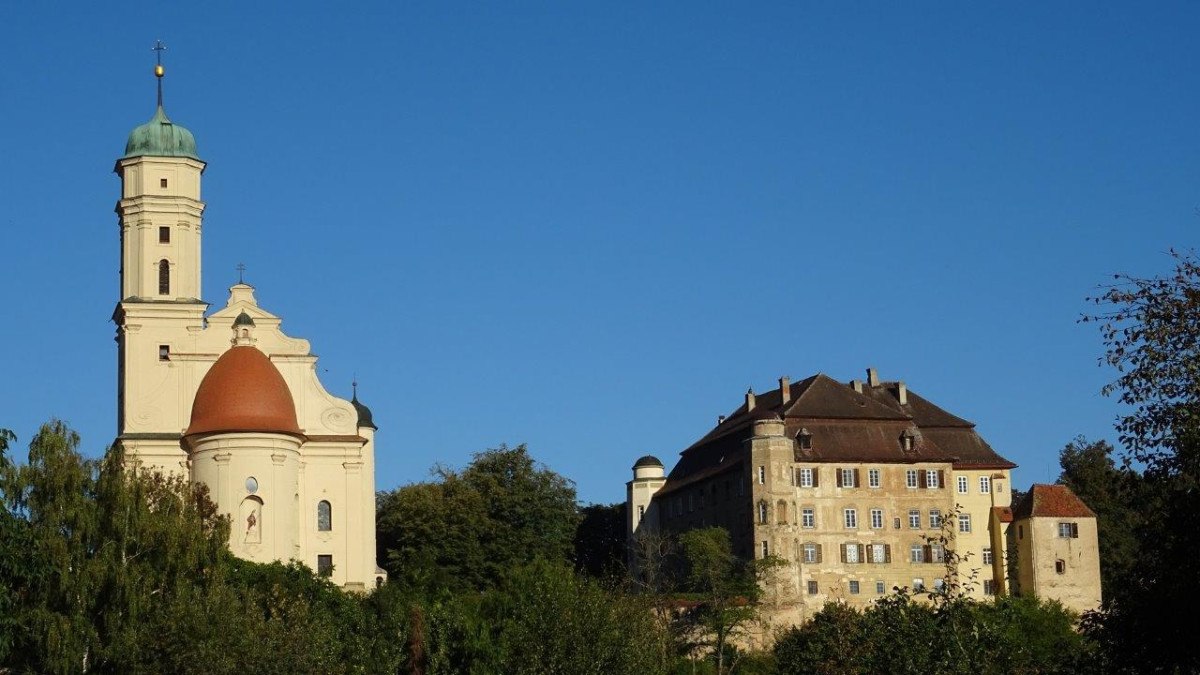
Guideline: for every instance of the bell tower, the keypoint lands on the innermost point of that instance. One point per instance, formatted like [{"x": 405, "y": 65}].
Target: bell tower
[{"x": 159, "y": 313}]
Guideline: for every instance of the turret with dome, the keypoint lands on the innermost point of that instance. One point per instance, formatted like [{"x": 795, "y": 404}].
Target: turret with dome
[{"x": 226, "y": 398}]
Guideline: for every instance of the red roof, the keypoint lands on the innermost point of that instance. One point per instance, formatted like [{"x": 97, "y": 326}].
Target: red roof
[
  {"x": 1051, "y": 501},
  {"x": 1003, "y": 513},
  {"x": 243, "y": 391}
]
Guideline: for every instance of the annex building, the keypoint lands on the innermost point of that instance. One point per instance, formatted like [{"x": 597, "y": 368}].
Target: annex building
[
  {"x": 863, "y": 487},
  {"x": 226, "y": 398}
]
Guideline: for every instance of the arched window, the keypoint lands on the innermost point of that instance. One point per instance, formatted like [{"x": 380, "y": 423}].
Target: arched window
[
  {"x": 781, "y": 512},
  {"x": 164, "y": 277},
  {"x": 324, "y": 516}
]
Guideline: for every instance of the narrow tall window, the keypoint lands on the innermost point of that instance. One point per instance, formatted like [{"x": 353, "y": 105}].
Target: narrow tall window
[
  {"x": 851, "y": 518},
  {"x": 641, "y": 513},
  {"x": 962, "y": 485},
  {"x": 324, "y": 516},
  {"x": 164, "y": 235},
  {"x": 910, "y": 478},
  {"x": 762, "y": 475},
  {"x": 324, "y": 565},
  {"x": 762, "y": 513},
  {"x": 935, "y": 519},
  {"x": 985, "y": 484},
  {"x": 873, "y": 478},
  {"x": 164, "y": 277},
  {"x": 765, "y": 549}
]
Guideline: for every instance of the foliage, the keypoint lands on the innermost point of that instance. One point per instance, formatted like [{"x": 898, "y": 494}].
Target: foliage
[
  {"x": 1151, "y": 332},
  {"x": 903, "y": 634},
  {"x": 467, "y": 529},
  {"x": 600, "y": 541}
]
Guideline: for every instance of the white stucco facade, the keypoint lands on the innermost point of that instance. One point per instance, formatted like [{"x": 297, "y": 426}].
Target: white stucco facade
[{"x": 166, "y": 344}]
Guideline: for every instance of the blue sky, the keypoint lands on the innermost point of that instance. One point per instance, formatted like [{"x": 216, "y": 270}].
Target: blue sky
[{"x": 590, "y": 227}]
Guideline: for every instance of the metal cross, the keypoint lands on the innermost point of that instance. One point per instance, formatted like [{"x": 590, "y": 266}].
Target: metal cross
[
  {"x": 241, "y": 269},
  {"x": 158, "y": 49}
]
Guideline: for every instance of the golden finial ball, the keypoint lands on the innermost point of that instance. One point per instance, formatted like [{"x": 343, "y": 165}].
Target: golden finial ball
[{"x": 158, "y": 71}]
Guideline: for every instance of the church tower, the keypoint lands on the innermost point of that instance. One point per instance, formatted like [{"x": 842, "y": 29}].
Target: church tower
[{"x": 159, "y": 313}]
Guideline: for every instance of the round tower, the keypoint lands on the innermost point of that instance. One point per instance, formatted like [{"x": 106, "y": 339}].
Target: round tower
[{"x": 243, "y": 443}]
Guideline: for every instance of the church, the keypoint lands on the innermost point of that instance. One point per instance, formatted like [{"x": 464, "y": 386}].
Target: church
[{"x": 226, "y": 398}]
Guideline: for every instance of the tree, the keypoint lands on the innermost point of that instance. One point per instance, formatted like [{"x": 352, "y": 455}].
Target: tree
[
  {"x": 726, "y": 589},
  {"x": 469, "y": 528},
  {"x": 600, "y": 541},
  {"x": 1151, "y": 332},
  {"x": 1115, "y": 494}
]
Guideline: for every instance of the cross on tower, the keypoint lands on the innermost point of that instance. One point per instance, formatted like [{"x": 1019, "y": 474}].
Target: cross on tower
[
  {"x": 241, "y": 269},
  {"x": 158, "y": 49}
]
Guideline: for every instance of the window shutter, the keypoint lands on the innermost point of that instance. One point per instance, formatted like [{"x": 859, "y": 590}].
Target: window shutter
[
  {"x": 842, "y": 550},
  {"x": 941, "y": 478},
  {"x": 887, "y": 553},
  {"x": 922, "y": 479},
  {"x": 857, "y": 480},
  {"x": 820, "y": 549},
  {"x": 816, "y": 475},
  {"x": 927, "y": 551},
  {"x": 862, "y": 553},
  {"x": 837, "y": 473},
  {"x": 1074, "y": 530}
]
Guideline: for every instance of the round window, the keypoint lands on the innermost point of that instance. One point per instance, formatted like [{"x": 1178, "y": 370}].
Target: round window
[{"x": 251, "y": 485}]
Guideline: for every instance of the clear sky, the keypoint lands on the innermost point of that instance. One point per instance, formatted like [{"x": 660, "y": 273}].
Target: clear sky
[{"x": 590, "y": 227}]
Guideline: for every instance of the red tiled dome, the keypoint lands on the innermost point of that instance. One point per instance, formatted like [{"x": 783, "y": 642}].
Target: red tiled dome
[{"x": 243, "y": 391}]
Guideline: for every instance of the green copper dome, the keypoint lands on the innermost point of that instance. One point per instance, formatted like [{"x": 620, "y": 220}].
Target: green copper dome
[{"x": 161, "y": 138}]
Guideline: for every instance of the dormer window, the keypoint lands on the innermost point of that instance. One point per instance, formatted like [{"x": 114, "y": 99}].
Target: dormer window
[
  {"x": 804, "y": 439},
  {"x": 908, "y": 440}
]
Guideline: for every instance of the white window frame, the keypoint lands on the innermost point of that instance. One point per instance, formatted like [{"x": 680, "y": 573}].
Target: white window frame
[
  {"x": 964, "y": 522},
  {"x": 850, "y": 518},
  {"x": 874, "y": 479},
  {"x": 763, "y": 516},
  {"x": 762, "y": 475},
  {"x": 808, "y": 518},
  {"x": 987, "y": 555},
  {"x": 963, "y": 485},
  {"x": 848, "y": 478},
  {"x": 880, "y": 588},
  {"x": 916, "y": 553},
  {"x": 935, "y": 519},
  {"x": 910, "y": 479},
  {"x": 931, "y": 479},
  {"x": 878, "y": 553},
  {"x": 876, "y": 519},
  {"x": 985, "y": 485},
  {"x": 918, "y": 585},
  {"x": 809, "y": 551},
  {"x": 806, "y": 477},
  {"x": 989, "y": 587},
  {"x": 851, "y": 553},
  {"x": 914, "y": 519}
]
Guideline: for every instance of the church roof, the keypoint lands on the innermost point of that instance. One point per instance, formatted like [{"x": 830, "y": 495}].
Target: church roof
[
  {"x": 364, "y": 413},
  {"x": 160, "y": 137},
  {"x": 243, "y": 391}
]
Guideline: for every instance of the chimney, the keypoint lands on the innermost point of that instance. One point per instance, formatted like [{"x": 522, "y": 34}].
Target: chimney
[
  {"x": 856, "y": 385},
  {"x": 902, "y": 393},
  {"x": 720, "y": 419},
  {"x": 872, "y": 377},
  {"x": 749, "y": 399},
  {"x": 785, "y": 389}
]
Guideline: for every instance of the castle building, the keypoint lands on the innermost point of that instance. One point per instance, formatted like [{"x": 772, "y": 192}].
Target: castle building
[
  {"x": 861, "y": 488},
  {"x": 227, "y": 399},
  {"x": 1054, "y": 535}
]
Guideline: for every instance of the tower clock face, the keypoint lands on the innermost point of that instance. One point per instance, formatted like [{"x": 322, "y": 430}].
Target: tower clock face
[{"x": 251, "y": 485}]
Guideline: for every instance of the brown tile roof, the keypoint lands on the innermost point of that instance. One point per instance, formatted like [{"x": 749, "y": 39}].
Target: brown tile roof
[
  {"x": 1051, "y": 501},
  {"x": 1003, "y": 513},
  {"x": 846, "y": 426}
]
